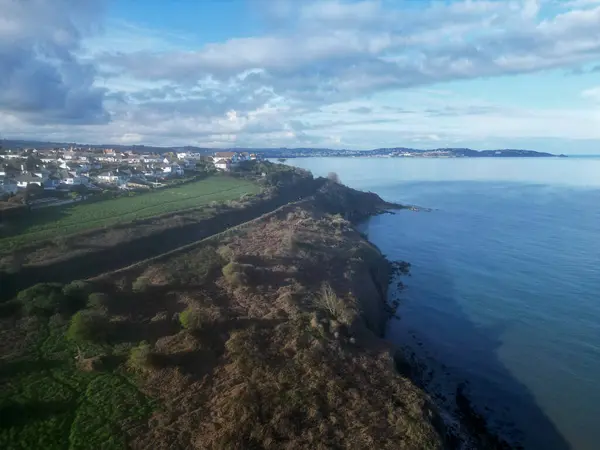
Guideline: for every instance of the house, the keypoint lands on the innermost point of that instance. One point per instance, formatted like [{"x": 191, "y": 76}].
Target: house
[
  {"x": 172, "y": 169},
  {"x": 225, "y": 160},
  {"x": 41, "y": 173},
  {"x": 223, "y": 164},
  {"x": 176, "y": 169},
  {"x": 113, "y": 177},
  {"x": 149, "y": 172},
  {"x": 76, "y": 180},
  {"x": 232, "y": 156},
  {"x": 8, "y": 186},
  {"x": 52, "y": 182},
  {"x": 26, "y": 179},
  {"x": 69, "y": 155}
]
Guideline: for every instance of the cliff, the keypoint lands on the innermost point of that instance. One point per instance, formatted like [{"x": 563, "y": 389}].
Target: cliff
[{"x": 267, "y": 335}]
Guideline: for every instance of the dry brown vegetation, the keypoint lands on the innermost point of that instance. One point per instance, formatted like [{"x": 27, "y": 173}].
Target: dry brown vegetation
[
  {"x": 262, "y": 337},
  {"x": 268, "y": 338}
]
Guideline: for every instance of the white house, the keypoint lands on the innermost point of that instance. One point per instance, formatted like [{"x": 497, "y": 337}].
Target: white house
[
  {"x": 172, "y": 169},
  {"x": 74, "y": 179},
  {"x": 223, "y": 164},
  {"x": 112, "y": 177}
]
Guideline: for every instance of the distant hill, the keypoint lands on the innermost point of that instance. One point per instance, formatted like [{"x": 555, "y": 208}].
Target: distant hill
[{"x": 293, "y": 152}]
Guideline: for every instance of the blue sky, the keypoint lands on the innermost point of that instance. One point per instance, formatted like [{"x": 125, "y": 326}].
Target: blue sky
[{"x": 319, "y": 73}]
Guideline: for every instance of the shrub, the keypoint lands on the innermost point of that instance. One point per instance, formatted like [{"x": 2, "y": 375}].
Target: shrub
[
  {"x": 141, "y": 357},
  {"x": 197, "y": 319},
  {"x": 88, "y": 326},
  {"x": 332, "y": 176},
  {"x": 98, "y": 300},
  {"x": 328, "y": 301},
  {"x": 237, "y": 274},
  {"x": 141, "y": 284},
  {"x": 225, "y": 252},
  {"x": 76, "y": 294},
  {"x": 43, "y": 299}
]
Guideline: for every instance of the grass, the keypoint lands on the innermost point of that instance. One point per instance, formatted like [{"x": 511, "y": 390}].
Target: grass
[
  {"x": 48, "y": 402},
  {"x": 59, "y": 221}
]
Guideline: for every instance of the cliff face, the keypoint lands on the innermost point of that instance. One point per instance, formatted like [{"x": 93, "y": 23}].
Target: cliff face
[{"x": 288, "y": 353}]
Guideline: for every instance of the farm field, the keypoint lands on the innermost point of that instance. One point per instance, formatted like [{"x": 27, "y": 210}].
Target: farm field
[{"x": 63, "y": 220}]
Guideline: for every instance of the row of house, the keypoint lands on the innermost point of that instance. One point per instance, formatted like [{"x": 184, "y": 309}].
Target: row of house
[
  {"x": 66, "y": 167},
  {"x": 225, "y": 161},
  {"x": 52, "y": 169}
]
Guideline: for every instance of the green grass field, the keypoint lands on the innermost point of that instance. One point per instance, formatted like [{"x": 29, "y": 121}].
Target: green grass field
[{"x": 59, "y": 221}]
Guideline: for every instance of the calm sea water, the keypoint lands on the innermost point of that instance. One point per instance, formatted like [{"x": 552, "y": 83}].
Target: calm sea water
[{"x": 505, "y": 284}]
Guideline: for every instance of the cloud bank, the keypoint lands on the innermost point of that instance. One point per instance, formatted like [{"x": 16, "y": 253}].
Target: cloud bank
[{"x": 326, "y": 73}]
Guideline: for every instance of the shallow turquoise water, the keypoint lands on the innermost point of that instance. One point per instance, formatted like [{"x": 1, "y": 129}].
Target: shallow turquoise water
[{"x": 505, "y": 284}]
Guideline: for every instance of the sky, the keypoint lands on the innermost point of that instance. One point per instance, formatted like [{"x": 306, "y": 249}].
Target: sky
[{"x": 355, "y": 74}]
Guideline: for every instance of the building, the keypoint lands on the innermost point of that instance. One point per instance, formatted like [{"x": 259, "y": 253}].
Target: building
[
  {"x": 26, "y": 179},
  {"x": 112, "y": 178},
  {"x": 223, "y": 164},
  {"x": 8, "y": 186},
  {"x": 226, "y": 160},
  {"x": 225, "y": 155}
]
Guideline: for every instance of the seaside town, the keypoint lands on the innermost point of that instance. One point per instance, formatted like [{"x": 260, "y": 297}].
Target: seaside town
[{"x": 77, "y": 170}]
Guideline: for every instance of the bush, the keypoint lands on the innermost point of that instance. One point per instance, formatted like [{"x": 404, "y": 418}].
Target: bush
[
  {"x": 76, "y": 294},
  {"x": 44, "y": 299},
  {"x": 225, "y": 252},
  {"x": 98, "y": 300},
  {"x": 196, "y": 319},
  {"x": 328, "y": 301},
  {"x": 141, "y": 357},
  {"x": 238, "y": 274},
  {"x": 332, "y": 176},
  {"x": 141, "y": 284},
  {"x": 88, "y": 326}
]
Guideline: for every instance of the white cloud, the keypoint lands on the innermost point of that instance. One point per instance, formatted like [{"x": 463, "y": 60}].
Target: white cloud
[
  {"x": 323, "y": 76},
  {"x": 592, "y": 93},
  {"x": 42, "y": 79}
]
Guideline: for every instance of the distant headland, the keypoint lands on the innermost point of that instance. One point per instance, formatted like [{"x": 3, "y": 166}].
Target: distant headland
[{"x": 304, "y": 152}]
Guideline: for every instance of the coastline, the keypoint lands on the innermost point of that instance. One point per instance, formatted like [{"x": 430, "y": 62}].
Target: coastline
[{"x": 277, "y": 328}]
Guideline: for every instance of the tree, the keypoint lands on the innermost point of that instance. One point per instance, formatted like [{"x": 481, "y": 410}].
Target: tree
[
  {"x": 31, "y": 191},
  {"x": 332, "y": 176},
  {"x": 281, "y": 160},
  {"x": 88, "y": 326},
  {"x": 43, "y": 299},
  {"x": 32, "y": 162}
]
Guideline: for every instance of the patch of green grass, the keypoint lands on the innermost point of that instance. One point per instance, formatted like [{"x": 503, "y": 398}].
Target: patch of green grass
[
  {"x": 47, "y": 402},
  {"x": 59, "y": 221}
]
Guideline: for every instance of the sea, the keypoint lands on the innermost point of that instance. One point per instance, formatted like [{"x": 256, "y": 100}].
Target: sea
[{"x": 504, "y": 290}]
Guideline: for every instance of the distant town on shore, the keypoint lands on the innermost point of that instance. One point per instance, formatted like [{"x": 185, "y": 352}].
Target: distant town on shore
[{"x": 402, "y": 152}]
